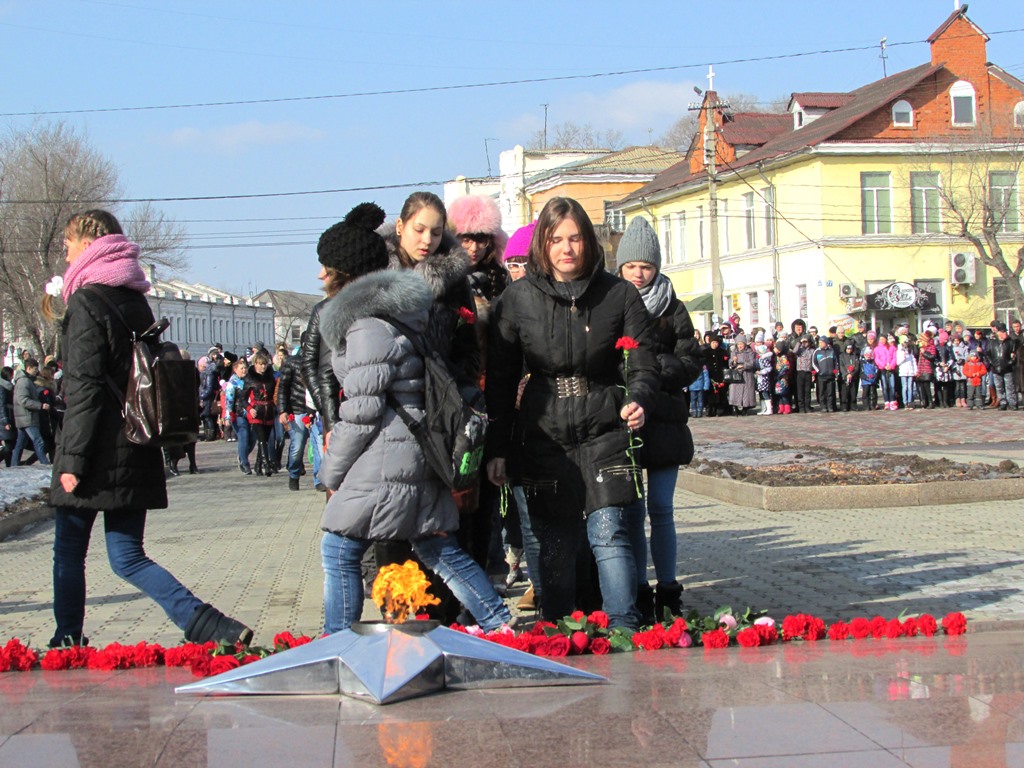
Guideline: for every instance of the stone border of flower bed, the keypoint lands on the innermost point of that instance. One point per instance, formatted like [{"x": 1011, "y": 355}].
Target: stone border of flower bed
[
  {"x": 35, "y": 511},
  {"x": 791, "y": 498}
]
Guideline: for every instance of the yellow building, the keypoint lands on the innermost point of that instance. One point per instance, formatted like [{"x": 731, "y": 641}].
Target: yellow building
[{"x": 852, "y": 205}]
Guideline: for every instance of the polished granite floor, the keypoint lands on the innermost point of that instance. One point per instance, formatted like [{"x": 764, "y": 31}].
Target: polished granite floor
[{"x": 878, "y": 703}]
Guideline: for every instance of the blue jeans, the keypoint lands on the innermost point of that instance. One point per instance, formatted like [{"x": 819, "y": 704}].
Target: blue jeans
[
  {"x": 298, "y": 434},
  {"x": 661, "y": 488},
  {"x": 908, "y": 390},
  {"x": 560, "y": 537},
  {"x": 316, "y": 440},
  {"x": 124, "y": 531},
  {"x": 24, "y": 435},
  {"x": 531, "y": 546},
  {"x": 888, "y": 386},
  {"x": 343, "y": 582},
  {"x": 244, "y": 436}
]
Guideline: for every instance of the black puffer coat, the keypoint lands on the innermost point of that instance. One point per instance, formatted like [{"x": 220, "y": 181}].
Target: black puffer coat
[
  {"x": 113, "y": 473},
  {"x": 317, "y": 372},
  {"x": 291, "y": 387},
  {"x": 666, "y": 438},
  {"x": 569, "y": 453}
]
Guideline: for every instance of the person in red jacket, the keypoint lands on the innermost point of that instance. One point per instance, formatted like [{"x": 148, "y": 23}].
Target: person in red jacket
[{"x": 975, "y": 371}]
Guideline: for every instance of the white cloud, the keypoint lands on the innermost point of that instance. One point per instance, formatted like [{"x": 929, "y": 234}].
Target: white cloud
[
  {"x": 242, "y": 137},
  {"x": 632, "y": 109}
]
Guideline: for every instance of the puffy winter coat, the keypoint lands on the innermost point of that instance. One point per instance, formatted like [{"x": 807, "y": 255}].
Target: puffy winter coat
[
  {"x": 209, "y": 381},
  {"x": 906, "y": 362},
  {"x": 568, "y": 452},
  {"x": 666, "y": 437},
  {"x": 926, "y": 360},
  {"x": 383, "y": 486},
  {"x": 291, "y": 387},
  {"x": 113, "y": 473},
  {"x": 317, "y": 372},
  {"x": 885, "y": 356},
  {"x": 27, "y": 405},
  {"x": 257, "y": 396},
  {"x": 744, "y": 395},
  {"x": 999, "y": 355}
]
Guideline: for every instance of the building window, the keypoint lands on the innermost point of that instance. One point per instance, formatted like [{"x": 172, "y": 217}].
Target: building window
[
  {"x": 700, "y": 232},
  {"x": 768, "y": 196},
  {"x": 902, "y": 114},
  {"x": 1002, "y": 187},
  {"x": 924, "y": 203},
  {"x": 875, "y": 204},
  {"x": 1018, "y": 115},
  {"x": 615, "y": 219},
  {"x": 748, "y": 220},
  {"x": 723, "y": 215},
  {"x": 681, "y": 235},
  {"x": 773, "y": 310},
  {"x": 961, "y": 97},
  {"x": 755, "y": 316},
  {"x": 666, "y": 239},
  {"x": 801, "y": 301}
]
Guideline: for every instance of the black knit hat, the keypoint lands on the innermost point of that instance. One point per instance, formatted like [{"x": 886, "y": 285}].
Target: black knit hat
[{"x": 352, "y": 245}]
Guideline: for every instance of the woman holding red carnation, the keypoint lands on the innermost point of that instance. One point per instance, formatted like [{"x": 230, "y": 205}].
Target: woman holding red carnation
[{"x": 567, "y": 444}]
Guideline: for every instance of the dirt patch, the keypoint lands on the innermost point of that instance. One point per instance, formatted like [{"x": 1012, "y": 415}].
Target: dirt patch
[
  {"x": 776, "y": 465},
  {"x": 24, "y": 505}
]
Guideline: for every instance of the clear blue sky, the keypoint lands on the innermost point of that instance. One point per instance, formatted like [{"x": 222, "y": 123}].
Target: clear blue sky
[{"x": 66, "y": 55}]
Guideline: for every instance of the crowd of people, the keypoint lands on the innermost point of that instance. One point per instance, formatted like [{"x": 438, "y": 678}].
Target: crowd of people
[
  {"x": 588, "y": 378},
  {"x": 857, "y": 368}
]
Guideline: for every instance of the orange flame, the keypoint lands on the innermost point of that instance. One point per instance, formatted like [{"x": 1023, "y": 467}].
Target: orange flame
[
  {"x": 401, "y": 590},
  {"x": 406, "y": 745}
]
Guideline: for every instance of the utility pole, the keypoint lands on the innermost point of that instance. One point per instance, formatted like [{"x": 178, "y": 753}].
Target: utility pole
[
  {"x": 709, "y": 106},
  {"x": 487, "y": 151},
  {"x": 882, "y": 55},
  {"x": 545, "y": 125}
]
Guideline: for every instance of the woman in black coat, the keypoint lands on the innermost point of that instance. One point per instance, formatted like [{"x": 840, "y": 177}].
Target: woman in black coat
[
  {"x": 96, "y": 467},
  {"x": 717, "y": 360},
  {"x": 566, "y": 445}
]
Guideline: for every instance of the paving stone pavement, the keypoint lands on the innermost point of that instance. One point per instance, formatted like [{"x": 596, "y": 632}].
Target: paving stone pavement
[{"x": 251, "y": 547}]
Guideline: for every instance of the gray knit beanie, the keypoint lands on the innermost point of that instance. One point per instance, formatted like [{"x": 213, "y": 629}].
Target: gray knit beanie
[{"x": 639, "y": 243}]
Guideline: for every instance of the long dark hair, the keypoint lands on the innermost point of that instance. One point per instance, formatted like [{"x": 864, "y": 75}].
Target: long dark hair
[{"x": 555, "y": 211}]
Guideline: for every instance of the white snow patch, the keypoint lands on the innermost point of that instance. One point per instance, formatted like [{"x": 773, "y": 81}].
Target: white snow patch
[{"x": 22, "y": 482}]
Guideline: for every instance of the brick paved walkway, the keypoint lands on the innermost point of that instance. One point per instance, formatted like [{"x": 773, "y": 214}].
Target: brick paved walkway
[{"x": 251, "y": 547}]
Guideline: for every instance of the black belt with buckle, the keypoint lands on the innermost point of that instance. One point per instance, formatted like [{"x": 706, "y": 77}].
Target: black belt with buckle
[{"x": 571, "y": 386}]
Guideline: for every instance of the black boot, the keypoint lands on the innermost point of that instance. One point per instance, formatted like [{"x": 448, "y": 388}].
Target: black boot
[
  {"x": 172, "y": 468},
  {"x": 668, "y": 597},
  {"x": 207, "y": 623},
  {"x": 645, "y": 604}
]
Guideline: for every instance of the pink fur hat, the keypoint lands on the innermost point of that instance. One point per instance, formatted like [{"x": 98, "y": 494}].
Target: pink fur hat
[{"x": 476, "y": 214}]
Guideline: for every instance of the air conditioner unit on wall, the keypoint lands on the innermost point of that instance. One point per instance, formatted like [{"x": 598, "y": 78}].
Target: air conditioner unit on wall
[
  {"x": 847, "y": 290},
  {"x": 962, "y": 269}
]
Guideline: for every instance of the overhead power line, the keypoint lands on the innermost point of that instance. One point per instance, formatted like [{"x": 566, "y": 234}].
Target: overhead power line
[{"x": 469, "y": 86}]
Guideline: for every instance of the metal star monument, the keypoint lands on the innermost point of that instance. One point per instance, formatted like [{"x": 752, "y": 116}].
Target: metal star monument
[{"x": 385, "y": 663}]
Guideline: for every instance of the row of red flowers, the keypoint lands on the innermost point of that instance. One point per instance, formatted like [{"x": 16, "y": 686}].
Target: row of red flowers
[{"x": 573, "y": 635}]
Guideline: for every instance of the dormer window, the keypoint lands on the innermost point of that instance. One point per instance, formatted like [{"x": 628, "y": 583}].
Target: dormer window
[
  {"x": 961, "y": 97},
  {"x": 799, "y": 116},
  {"x": 1018, "y": 115},
  {"x": 902, "y": 114}
]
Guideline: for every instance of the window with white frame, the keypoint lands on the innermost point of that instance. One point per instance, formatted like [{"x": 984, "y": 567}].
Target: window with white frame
[
  {"x": 748, "y": 220},
  {"x": 925, "y": 214},
  {"x": 666, "y": 239},
  {"x": 614, "y": 218},
  {"x": 755, "y": 316},
  {"x": 1018, "y": 114},
  {"x": 681, "y": 237},
  {"x": 875, "y": 204},
  {"x": 801, "y": 300},
  {"x": 961, "y": 97},
  {"x": 1002, "y": 186},
  {"x": 768, "y": 197},
  {"x": 723, "y": 216},
  {"x": 773, "y": 309},
  {"x": 902, "y": 114},
  {"x": 700, "y": 232}
]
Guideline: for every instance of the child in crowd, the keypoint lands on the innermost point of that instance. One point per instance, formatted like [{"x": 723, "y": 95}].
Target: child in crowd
[
  {"x": 906, "y": 367},
  {"x": 234, "y": 412},
  {"x": 260, "y": 411},
  {"x": 765, "y": 369},
  {"x": 975, "y": 373},
  {"x": 782, "y": 373},
  {"x": 849, "y": 376},
  {"x": 868, "y": 379},
  {"x": 698, "y": 392}
]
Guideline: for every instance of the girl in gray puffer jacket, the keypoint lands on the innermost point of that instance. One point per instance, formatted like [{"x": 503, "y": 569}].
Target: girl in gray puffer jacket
[{"x": 384, "y": 489}]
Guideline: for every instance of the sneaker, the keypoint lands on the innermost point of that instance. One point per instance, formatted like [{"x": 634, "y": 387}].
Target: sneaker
[
  {"x": 319, "y": 488},
  {"x": 293, "y": 483},
  {"x": 245, "y": 470}
]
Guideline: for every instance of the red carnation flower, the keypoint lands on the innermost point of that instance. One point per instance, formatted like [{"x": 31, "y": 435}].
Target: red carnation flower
[
  {"x": 893, "y": 628},
  {"x": 954, "y": 623},
  {"x": 467, "y": 315},
  {"x": 860, "y": 628},
  {"x": 716, "y": 638},
  {"x": 674, "y": 633},
  {"x": 749, "y": 637},
  {"x": 839, "y": 631},
  {"x": 878, "y": 626},
  {"x": 767, "y": 632},
  {"x": 927, "y": 625},
  {"x": 910, "y": 627},
  {"x": 815, "y": 629},
  {"x": 651, "y": 640},
  {"x": 599, "y": 646},
  {"x": 627, "y": 343}
]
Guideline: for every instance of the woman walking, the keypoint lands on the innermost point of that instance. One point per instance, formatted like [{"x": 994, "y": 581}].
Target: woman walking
[
  {"x": 96, "y": 468},
  {"x": 567, "y": 444}
]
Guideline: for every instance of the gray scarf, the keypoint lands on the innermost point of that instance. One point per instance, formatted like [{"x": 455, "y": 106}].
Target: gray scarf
[{"x": 657, "y": 295}]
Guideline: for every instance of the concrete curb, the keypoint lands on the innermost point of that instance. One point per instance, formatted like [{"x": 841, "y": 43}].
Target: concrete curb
[
  {"x": 781, "y": 499},
  {"x": 13, "y": 524}
]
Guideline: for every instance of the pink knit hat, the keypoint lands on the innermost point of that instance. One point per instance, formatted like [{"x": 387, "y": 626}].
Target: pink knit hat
[{"x": 519, "y": 244}]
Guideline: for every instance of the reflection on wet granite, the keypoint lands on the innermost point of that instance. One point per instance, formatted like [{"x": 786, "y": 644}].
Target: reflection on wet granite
[{"x": 918, "y": 702}]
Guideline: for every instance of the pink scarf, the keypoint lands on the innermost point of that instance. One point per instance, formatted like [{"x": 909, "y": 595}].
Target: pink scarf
[{"x": 109, "y": 260}]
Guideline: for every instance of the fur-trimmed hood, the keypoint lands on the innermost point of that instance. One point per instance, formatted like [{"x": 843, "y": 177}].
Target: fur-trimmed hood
[
  {"x": 397, "y": 294},
  {"x": 443, "y": 270}
]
